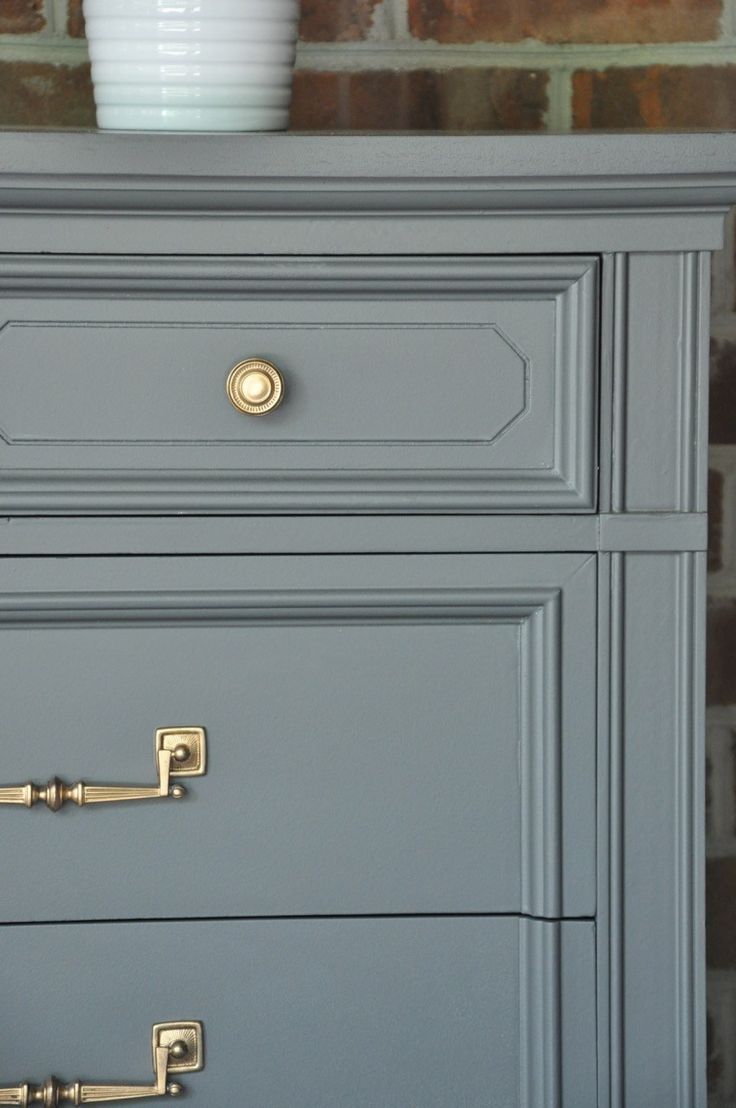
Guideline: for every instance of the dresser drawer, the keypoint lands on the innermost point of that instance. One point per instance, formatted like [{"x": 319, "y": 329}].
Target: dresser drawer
[
  {"x": 385, "y": 734},
  {"x": 428, "y": 385},
  {"x": 320, "y": 1013}
]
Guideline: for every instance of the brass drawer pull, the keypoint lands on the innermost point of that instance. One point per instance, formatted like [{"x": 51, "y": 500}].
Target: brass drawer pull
[
  {"x": 255, "y": 386},
  {"x": 180, "y": 752},
  {"x": 177, "y": 1048}
]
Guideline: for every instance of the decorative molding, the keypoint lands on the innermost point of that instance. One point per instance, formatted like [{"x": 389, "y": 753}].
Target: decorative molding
[
  {"x": 348, "y": 173},
  {"x": 700, "y": 339},
  {"x": 611, "y": 922},
  {"x": 540, "y": 991},
  {"x": 133, "y": 492},
  {"x": 690, "y": 822},
  {"x": 660, "y": 365},
  {"x": 620, "y": 371},
  {"x": 638, "y": 927},
  {"x": 342, "y": 277},
  {"x": 246, "y": 607},
  {"x": 537, "y": 611},
  {"x": 541, "y": 760},
  {"x": 566, "y": 481},
  {"x": 236, "y": 440}
]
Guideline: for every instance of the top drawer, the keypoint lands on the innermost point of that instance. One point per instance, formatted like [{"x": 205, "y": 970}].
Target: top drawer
[{"x": 427, "y": 385}]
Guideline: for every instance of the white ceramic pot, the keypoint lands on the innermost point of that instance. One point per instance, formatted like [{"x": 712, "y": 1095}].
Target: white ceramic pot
[{"x": 192, "y": 65}]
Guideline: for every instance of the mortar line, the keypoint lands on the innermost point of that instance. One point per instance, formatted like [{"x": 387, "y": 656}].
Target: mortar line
[
  {"x": 401, "y": 25},
  {"x": 413, "y": 54},
  {"x": 558, "y": 116},
  {"x": 728, "y": 20},
  {"x": 51, "y": 15}
]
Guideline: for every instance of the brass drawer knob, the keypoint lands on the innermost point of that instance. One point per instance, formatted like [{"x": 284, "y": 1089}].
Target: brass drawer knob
[
  {"x": 255, "y": 387},
  {"x": 180, "y": 752},
  {"x": 177, "y": 1048}
]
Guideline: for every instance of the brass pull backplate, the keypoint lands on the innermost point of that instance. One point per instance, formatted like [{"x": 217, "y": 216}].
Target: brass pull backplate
[
  {"x": 179, "y": 751},
  {"x": 177, "y": 1048}
]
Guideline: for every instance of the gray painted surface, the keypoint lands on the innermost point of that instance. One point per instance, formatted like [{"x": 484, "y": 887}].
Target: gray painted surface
[
  {"x": 386, "y": 734},
  {"x": 310, "y": 193},
  {"x": 660, "y": 352},
  {"x": 437, "y": 386},
  {"x": 320, "y": 1013},
  {"x": 354, "y": 534},
  {"x": 547, "y": 698},
  {"x": 654, "y": 865}
]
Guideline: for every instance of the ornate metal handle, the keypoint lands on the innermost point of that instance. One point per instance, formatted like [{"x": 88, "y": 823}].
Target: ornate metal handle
[
  {"x": 177, "y": 1048},
  {"x": 180, "y": 752}
]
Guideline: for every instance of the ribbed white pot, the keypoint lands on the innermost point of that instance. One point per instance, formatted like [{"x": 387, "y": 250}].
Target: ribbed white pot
[{"x": 192, "y": 65}]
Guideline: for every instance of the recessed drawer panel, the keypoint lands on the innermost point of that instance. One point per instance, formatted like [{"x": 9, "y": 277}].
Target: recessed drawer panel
[
  {"x": 451, "y": 385},
  {"x": 385, "y": 735},
  {"x": 317, "y": 1013}
]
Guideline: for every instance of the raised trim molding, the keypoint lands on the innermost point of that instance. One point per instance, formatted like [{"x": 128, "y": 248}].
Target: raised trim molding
[
  {"x": 564, "y": 481},
  {"x": 540, "y": 989},
  {"x": 557, "y": 1027},
  {"x": 276, "y": 194},
  {"x": 545, "y": 668},
  {"x": 651, "y": 856},
  {"x": 660, "y": 371},
  {"x": 295, "y": 171},
  {"x": 339, "y": 277}
]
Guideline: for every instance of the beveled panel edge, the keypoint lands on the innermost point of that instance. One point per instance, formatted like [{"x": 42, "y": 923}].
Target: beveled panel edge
[
  {"x": 540, "y": 1031},
  {"x": 660, "y": 355},
  {"x": 540, "y": 759},
  {"x": 569, "y": 484},
  {"x": 358, "y": 492},
  {"x": 526, "y": 277},
  {"x": 669, "y": 765},
  {"x": 576, "y": 394},
  {"x": 246, "y": 607},
  {"x": 538, "y": 610}
]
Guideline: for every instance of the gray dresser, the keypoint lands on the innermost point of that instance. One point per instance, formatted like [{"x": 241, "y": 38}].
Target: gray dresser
[{"x": 352, "y": 582}]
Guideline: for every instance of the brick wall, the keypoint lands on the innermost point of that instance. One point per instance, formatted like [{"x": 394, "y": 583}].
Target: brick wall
[
  {"x": 721, "y": 736},
  {"x": 522, "y": 65}
]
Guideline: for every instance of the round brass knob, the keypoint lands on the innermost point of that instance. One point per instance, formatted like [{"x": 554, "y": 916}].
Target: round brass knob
[{"x": 255, "y": 387}]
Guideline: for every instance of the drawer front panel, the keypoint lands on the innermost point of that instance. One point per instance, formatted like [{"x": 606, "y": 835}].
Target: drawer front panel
[
  {"x": 320, "y": 1013},
  {"x": 458, "y": 385},
  {"x": 386, "y": 734}
]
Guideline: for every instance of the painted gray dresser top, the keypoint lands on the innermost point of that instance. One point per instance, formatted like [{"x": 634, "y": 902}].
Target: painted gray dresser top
[{"x": 309, "y": 191}]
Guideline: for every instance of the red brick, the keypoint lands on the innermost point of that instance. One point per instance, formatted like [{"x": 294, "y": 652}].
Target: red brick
[
  {"x": 336, "y": 20},
  {"x": 715, "y": 520},
  {"x": 21, "y": 17},
  {"x": 721, "y": 913},
  {"x": 723, "y": 391},
  {"x": 456, "y": 99},
  {"x": 721, "y": 670},
  {"x": 566, "y": 20},
  {"x": 708, "y": 797},
  {"x": 75, "y": 19},
  {"x": 37, "y": 94},
  {"x": 657, "y": 96},
  {"x": 715, "y": 1057}
]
